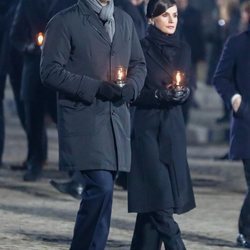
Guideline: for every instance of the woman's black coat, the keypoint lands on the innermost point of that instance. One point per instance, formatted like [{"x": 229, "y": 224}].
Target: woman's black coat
[
  {"x": 159, "y": 177},
  {"x": 77, "y": 56}
]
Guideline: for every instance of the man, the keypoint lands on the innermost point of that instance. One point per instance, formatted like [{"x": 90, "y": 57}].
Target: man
[
  {"x": 232, "y": 80},
  {"x": 29, "y": 21},
  {"x": 84, "y": 45},
  {"x": 191, "y": 30}
]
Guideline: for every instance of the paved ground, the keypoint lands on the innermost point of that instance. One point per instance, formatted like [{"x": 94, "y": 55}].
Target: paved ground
[{"x": 34, "y": 216}]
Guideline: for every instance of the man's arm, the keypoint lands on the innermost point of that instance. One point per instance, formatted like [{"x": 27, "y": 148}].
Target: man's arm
[
  {"x": 55, "y": 56},
  {"x": 137, "y": 66}
]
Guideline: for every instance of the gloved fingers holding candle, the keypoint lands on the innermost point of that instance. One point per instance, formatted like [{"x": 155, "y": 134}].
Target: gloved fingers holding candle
[{"x": 177, "y": 92}]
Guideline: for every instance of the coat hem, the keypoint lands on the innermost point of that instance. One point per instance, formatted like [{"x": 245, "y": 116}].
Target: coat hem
[
  {"x": 176, "y": 210},
  {"x": 108, "y": 168}
]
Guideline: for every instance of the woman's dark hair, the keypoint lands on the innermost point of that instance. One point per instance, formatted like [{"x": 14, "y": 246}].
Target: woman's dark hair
[{"x": 157, "y": 7}]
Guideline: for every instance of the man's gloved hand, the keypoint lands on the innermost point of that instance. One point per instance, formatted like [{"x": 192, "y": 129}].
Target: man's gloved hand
[
  {"x": 173, "y": 96},
  {"x": 32, "y": 48},
  {"x": 109, "y": 92},
  {"x": 128, "y": 93}
]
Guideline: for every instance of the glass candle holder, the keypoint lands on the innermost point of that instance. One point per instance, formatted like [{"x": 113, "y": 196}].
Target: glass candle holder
[
  {"x": 178, "y": 80},
  {"x": 120, "y": 76}
]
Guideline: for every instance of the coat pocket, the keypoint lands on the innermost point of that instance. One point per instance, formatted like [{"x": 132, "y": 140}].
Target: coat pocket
[
  {"x": 74, "y": 120},
  {"x": 243, "y": 112}
]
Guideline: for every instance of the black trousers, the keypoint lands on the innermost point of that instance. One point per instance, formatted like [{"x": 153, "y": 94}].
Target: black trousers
[
  {"x": 151, "y": 229},
  {"x": 36, "y": 130},
  {"x": 15, "y": 73},
  {"x": 244, "y": 220},
  {"x": 94, "y": 215}
]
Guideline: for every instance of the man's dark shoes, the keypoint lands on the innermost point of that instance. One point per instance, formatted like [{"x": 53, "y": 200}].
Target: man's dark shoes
[
  {"x": 21, "y": 167},
  {"x": 243, "y": 242},
  {"x": 71, "y": 188},
  {"x": 33, "y": 173}
]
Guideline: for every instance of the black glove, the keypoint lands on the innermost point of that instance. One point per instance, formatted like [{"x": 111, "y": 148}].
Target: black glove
[
  {"x": 171, "y": 95},
  {"x": 32, "y": 48},
  {"x": 128, "y": 93},
  {"x": 109, "y": 92}
]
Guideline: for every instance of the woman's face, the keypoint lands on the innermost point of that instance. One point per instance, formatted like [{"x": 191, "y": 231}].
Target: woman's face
[{"x": 167, "y": 22}]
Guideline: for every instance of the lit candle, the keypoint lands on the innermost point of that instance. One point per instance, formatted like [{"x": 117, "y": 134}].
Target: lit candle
[
  {"x": 120, "y": 75},
  {"x": 178, "y": 82},
  {"x": 40, "y": 39},
  {"x": 178, "y": 78}
]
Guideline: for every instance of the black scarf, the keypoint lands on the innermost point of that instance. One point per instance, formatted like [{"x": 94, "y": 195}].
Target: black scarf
[{"x": 168, "y": 45}]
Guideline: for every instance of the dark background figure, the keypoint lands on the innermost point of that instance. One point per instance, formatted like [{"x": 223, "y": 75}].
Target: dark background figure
[
  {"x": 225, "y": 22},
  {"x": 30, "y": 19},
  {"x": 54, "y": 6},
  {"x": 191, "y": 31},
  {"x": 136, "y": 9},
  {"x": 11, "y": 62},
  {"x": 232, "y": 81}
]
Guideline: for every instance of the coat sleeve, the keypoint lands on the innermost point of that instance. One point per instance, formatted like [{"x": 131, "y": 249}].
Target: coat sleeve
[
  {"x": 55, "y": 56},
  {"x": 137, "y": 66},
  {"x": 19, "y": 33},
  {"x": 224, "y": 75}
]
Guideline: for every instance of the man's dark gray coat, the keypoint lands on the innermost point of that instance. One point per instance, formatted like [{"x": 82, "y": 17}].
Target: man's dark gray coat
[{"x": 77, "y": 56}]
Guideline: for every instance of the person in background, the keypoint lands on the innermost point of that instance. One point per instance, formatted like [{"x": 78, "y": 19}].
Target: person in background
[
  {"x": 232, "y": 81},
  {"x": 225, "y": 22},
  {"x": 136, "y": 9},
  {"x": 191, "y": 31},
  {"x": 11, "y": 63},
  {"x": 159, "y": 183},
  {"x": 29, "y": 25}
]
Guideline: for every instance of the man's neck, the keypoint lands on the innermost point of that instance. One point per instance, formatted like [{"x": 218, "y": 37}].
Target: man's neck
[{"x": 103, "y": 2}]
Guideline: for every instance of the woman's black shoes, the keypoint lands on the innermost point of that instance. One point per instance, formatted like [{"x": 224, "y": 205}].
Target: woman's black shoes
[{"x": 242, "y": 241}]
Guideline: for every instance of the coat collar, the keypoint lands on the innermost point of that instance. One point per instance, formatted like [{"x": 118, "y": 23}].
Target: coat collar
[{"x": 97, "y": 25}]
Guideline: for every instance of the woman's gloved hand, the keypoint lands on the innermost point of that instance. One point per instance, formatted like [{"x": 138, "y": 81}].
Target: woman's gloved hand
[{"x": 172, "y": 95}]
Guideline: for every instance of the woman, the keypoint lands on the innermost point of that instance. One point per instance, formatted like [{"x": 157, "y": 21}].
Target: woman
[{"x": 159, "y": 184}]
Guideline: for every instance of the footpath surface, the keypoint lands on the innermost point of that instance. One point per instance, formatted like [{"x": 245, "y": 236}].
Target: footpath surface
[{"x": 33, "y": 216}]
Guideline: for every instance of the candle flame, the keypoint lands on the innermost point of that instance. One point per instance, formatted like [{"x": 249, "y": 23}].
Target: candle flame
[
  {"x": 120, "y": 74},
  {"x": 178, "y": 78},
  {"x": 40, "y": 39}
]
